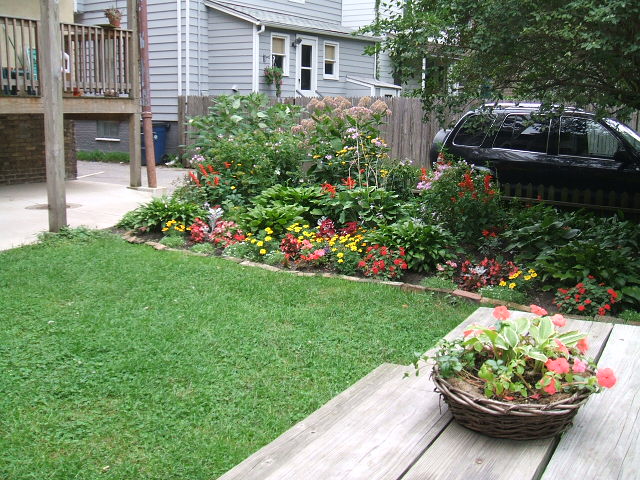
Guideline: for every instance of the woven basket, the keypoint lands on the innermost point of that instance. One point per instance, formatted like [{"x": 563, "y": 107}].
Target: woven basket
[{"x": 514, "y": 421}]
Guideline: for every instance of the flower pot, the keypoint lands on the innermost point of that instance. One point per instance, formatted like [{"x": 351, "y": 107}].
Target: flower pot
[
  {"x": 114, "y": 22},
  {"x": 501, "y": 419}
]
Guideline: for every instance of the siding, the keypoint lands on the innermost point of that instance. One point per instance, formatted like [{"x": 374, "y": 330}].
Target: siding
[
  {"x": 86, "y": 132},
  {"x": 323, "y": 10},
  {"x": 230, "y": 53},
  {"x": 358, "y": 13}
]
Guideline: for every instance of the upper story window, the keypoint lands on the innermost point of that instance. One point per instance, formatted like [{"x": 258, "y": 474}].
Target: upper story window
[
  {"x": 331, "y": 61},
  {"x": 280, "y": 52}
]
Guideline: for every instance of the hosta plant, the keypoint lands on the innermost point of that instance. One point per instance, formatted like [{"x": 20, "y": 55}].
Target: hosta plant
[{"x": 523, "y": 359}]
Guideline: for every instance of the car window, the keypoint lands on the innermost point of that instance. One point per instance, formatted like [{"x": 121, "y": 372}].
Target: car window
[
  {"x": 584, "y": 137},
  {"x": 628, "y": 133},
  {"x": 473, "y": 130},
  {"x": 520, "y": 132}
]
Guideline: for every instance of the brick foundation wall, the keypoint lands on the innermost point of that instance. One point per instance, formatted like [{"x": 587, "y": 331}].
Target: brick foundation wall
[{"x": 22, "y": 156}]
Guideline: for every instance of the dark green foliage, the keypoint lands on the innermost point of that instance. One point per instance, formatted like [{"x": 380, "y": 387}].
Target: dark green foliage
[
  {"x": 369, "y": 206},
  {"x": 277, "y": 217},
  {"x": 578, "y": 52},
  {"x": 425, "y": 244},
  {"x": 154, "y": 215}
]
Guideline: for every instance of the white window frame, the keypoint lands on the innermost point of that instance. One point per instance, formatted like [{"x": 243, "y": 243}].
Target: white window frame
[
  {"x": 313, "y": 42},
  {"x": 336, "y": 61},
  {"x": 287, "y": 53},
  {"x": 105, "y": 138}
]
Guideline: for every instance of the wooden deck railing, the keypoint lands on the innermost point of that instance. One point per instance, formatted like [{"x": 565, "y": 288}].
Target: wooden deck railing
[{"x": 95, "y": 60}]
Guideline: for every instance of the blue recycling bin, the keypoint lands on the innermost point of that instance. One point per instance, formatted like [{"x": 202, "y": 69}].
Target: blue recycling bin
[{"x": 159, "y": 143}]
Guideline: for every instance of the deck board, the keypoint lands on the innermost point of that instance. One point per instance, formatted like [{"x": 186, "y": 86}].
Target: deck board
[
  {"x": 605, "y": 442},
  {"x": 373, "y": 430},
  {"x": 460, "y": 453}
]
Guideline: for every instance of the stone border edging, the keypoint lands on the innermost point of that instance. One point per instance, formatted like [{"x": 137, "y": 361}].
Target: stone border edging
[{"x": 407, "y": 287}]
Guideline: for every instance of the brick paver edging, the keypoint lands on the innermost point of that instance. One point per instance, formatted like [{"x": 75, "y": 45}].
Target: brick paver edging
[{"x": 409, "y": 287}]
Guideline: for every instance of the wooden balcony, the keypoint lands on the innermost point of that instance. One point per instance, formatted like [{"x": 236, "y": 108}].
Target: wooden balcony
[{"x": 96, "y": 62}]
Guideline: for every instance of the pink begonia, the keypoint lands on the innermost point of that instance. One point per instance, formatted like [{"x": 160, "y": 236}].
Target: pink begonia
[
  {"x": 579, "y": 366},
  {"x": 606, "y": 378},
  {"x": 559, "y": 365},
  {"x": 562, "y": 347},
  {"x": 583, "y": 345},
  {"x": 558, "y": 320},
  {"x": 501, "y": 312},
  {"x": 551, "y": 388},
  {"x": 536, "y": 310}
]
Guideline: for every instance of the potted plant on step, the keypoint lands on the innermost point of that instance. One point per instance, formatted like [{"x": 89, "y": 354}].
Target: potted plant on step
[
  {"x": 114, "y": 16},
  {"x": 521, "y": 379}
]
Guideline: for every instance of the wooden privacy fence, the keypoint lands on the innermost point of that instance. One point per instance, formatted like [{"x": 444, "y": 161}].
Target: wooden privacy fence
[{"x": 408, "y": 136}]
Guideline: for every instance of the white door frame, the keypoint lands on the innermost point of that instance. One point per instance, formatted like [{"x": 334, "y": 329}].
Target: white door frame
[{"x": 313, "y": 42}]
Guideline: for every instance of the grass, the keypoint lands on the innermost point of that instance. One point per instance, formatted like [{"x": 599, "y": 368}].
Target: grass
[
  {"x": 100, "y": 156},
  {"x": 121, "y": 362}
]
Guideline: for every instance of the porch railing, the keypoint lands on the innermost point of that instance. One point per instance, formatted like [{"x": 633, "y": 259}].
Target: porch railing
[{"x": 94, "y": 60}]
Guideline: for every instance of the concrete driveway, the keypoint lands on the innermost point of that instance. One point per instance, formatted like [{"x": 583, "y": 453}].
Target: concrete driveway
[{"x": 98, "y": 199}]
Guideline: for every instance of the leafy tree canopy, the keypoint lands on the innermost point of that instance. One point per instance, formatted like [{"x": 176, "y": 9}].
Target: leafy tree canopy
[{"x": 571, "y": 52}]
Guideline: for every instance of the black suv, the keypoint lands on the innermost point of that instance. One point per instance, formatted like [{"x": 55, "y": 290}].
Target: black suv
[{"x": 571, "y": 149}]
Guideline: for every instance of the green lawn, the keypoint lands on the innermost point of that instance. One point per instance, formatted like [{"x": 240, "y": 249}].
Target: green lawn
[{"x": 121, "y": 362}]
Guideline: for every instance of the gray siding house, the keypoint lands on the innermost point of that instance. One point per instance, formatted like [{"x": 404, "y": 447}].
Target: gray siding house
[{"x": 210, "y": 47}]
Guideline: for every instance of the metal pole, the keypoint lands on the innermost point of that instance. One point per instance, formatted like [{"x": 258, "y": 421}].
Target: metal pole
[{"x": 147, "y": 126}]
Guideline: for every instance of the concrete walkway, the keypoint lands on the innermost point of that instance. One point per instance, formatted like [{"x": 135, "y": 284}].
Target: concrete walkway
[{"x": 98, "y": 199}]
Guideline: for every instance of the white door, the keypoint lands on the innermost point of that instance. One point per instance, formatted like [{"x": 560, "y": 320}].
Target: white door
[{"x": 307, "y": 65}]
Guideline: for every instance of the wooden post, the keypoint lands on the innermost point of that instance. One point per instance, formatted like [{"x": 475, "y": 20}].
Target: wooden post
[
  {"x": 135, "y": 173},
  {"x": 50, "y": 48}
]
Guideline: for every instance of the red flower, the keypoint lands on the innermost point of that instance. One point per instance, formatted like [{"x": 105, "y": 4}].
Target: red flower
[
  {"x": 330, "y": 189},
  {"x": 583, "y": 345},
  {"x": 349, "y": 182},
  {"x": 362, "y": 264},
  {"x": 501, "y": 312},
  {"x": 602, "y": 311},
  {"x": 195, "y": 179},
  {"x": 581, "y": 308},
  {"x": 384, "y": 251},
  {"x": 227, "y": 165},
  {"x": 551, "y": 388},
  {"x": 606, "y": 378},
  {"x": 587, "y": 301},
  {"x": 216, "y": 181},
  {"x": 607, "y": 307},
  {"x": 536, "y": 310},
  {"x": 559, "y": 365}
]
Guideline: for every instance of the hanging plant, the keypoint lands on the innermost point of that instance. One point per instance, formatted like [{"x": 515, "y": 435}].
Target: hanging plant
[
  {"x": 273, "y": 75},
  {"x": 114, "y": 16}
]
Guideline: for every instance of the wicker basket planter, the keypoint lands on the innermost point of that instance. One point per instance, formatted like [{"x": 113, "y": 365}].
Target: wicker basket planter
[{"x": 509, "y": 420}]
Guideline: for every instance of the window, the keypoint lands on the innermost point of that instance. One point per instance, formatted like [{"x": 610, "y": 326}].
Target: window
[
  {"x": 474, "y": 130},
  {"x": 107, "y": 130},
  {"x": 583, "y": 137},
  {"x": 331, "y": 61},
  {"x": 521, "y": 132},
  {"x": 280, "y": 52}
]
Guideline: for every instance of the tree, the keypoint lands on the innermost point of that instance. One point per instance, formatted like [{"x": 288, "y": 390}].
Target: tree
[{"x": 576, "y": 52}]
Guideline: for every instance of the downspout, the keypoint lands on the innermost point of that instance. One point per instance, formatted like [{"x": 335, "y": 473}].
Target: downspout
[
  {"x": 179, "y": 43},
  {"x": 187, "y": 47},
  {"x": 255, "y": 80},
  {"x": 198, "y": 33}
]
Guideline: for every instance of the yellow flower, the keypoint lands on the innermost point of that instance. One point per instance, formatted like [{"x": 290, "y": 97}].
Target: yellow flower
[
  {"x": 512, "y": 285},
  {"x": 317, "y": 156},
  {"x": 260, "y": 243},
  {"x": 527, "y": 277},
  {"x": 334, "y": 249},
  {"x": 268, "y": 231},
  {"x": 340, "y": 255},
  {"x": 341, "y": 261},
  {"x": 305, "y": 226},
  {"x": 300, "y": 238},
  {"x": 233, "y": 187},
  {"x": 253, "y": 240},
  {"x": 165, "y": 229},
  {"x": 534, "y": 275},
  {"x": 268, "y": 238},
  {"x": 503, "y": 283},
  {"x": 263, "y": 251}
]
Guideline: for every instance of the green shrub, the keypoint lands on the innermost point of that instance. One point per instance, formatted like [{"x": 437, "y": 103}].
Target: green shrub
[
  {"x": 274, "y": 258},
  {"x": 369, "y": 206},
  {"x": 154, "y": 215},
  {"x": 206, "y": 248},
  {"x": 425, "y": 245},
  {"x": 277, "y": 217},
  {"x": 466, "y": 201},
  {"x": 630, "y": 316},
  {"x": 172, "y": 241},
  {"x": 72, "y": 235},
  {"x": 99, "y": 156},
  {"x": 505, "y": 294}
]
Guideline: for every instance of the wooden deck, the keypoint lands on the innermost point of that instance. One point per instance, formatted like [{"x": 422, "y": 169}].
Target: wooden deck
[{"x": 390, "y": 427}]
